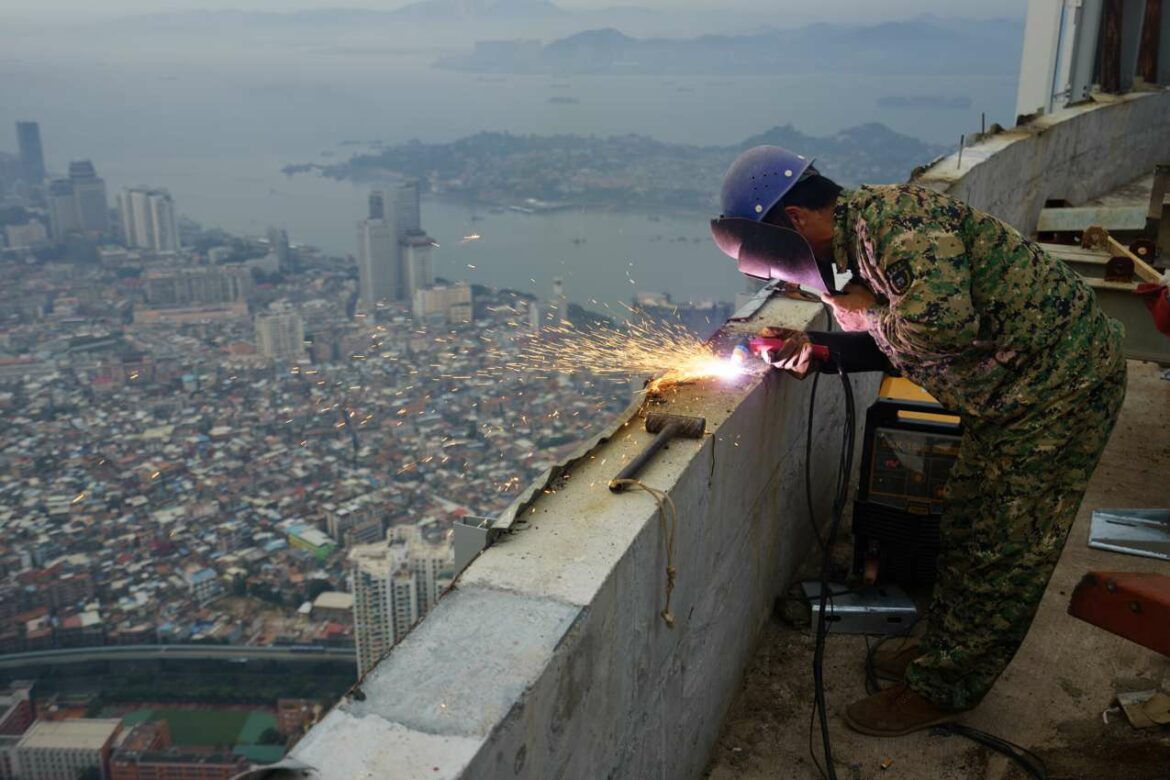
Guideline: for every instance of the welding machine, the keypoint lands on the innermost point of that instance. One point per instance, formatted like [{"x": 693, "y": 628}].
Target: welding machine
[{"x": 911, "y": 442}]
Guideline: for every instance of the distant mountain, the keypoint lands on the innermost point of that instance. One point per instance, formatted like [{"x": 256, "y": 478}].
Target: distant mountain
[
  {"x": 478, "y": 9},
  {"x": 425, "y": 10},
  {"x": 921, "y": 45},
  {"x": 629, "y": 171}
]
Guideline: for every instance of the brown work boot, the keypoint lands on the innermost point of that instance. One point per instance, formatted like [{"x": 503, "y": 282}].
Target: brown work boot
[
  {"x": 894, "y": 712},
  {"x": 891, "y": 659}
]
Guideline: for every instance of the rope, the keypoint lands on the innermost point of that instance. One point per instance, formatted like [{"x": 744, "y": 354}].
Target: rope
[{"x": 668, "y": 522}]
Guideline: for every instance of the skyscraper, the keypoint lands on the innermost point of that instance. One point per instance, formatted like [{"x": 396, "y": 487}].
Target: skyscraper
[
  {"x": 11, "y": 169},
  {"x": 394, "y": 253},
  {"x": 417, "y": 268},
  {"x": 63, "y": 216},
  {"x": 405, "y": 209},
  {"x": 278, "y": 245},
  {"x": 148, "y": 219},
  {"x": 89, "y": 195},
  {"x": 379, "y": 275},
  {"x": 32, "y": 156}
]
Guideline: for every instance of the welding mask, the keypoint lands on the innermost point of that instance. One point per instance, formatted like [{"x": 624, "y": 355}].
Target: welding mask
[
  {"x": 756, "y": 182},
  {"x": 766, "y": 251}
]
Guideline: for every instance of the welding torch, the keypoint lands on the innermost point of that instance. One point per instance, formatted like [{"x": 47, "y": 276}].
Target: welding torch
[{"x": 800, "y": 353}]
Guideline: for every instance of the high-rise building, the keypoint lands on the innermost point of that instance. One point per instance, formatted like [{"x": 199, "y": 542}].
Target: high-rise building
[
  {"x": 403, "y": 600},
  {"x": 394, "y": 253},
  {"x": 394, "y": 585},
  {"x": 162, "y": 217},
  {"x": 379, "y": 271},
  {"x": 32, "y": 155},
  {"x": 148, "y": 219},
  {"x": 427, "y": 560},
  {"x": 10, "y": 170},
  {"x": 278, "y": 245},
  {"x": 280, "y": 335},
  {"x": 385, "y": 600},
  {"x": 89, "y": 197},
  {"x": 417, "y": 267},
  {"x": 405, "y": 208},
  {"x": 63, "y": 217},
  {"x": 377, "y": 204}
]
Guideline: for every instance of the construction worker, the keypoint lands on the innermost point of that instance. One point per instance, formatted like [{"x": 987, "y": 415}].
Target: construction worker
[{"x": 997, "y": 330}]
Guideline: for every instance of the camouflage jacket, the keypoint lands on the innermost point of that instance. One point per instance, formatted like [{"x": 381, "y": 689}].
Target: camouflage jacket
[{"x": 982, "y": 318}]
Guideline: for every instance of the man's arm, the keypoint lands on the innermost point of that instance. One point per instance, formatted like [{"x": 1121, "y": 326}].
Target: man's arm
[
  {"x": 851, "y": 353},
  {"x": 925, "y": 274}
]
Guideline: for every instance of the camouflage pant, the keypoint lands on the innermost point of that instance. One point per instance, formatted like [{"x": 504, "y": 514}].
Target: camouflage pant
[{"x": 1012, "y": 496}]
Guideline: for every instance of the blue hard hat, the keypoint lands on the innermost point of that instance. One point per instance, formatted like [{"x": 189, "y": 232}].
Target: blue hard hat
[{"x": 759, "y": 178}]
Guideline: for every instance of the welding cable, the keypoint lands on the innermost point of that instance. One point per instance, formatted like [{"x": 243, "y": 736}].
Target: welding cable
[
  {"x": 808, "y": 440},
  {"x": 1028, "y": 761},
  {"x": 845, "y": 469}
]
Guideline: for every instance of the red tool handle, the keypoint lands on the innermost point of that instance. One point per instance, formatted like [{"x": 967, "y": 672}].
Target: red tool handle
[{"x": 762, "y": 345}]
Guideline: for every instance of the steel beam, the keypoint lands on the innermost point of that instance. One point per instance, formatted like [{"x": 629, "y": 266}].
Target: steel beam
[
  {"x": 1078, "y": 218},
  {"x": 1133, "y": 605}
]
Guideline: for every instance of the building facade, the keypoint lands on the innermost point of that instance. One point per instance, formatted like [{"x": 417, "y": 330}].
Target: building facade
[
  {"x": 63, "y": 749},
  {"x": 394, "y": 585},
  {"x": 378, "y": 272},
  {"x": 280, "y": 335},
  {"x": 197, "y": 287},
  {"x": 63, "y": 217},
  {"x": 385, "y": 600},
  {"x": 148, "y": 219},
  {"x": 451, "y": 303},
  {"x": 89, "y": 198},
  {"x": 394, "y": 252},
  {"x": 30, "y": 234},
  {"x": 32, "y": 155}
]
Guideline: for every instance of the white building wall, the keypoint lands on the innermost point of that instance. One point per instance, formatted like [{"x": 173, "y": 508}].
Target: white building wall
[{"x": 162, "y": 217}]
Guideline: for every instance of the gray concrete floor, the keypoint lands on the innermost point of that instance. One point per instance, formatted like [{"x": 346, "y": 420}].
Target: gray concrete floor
[{"x": 1050, "y": 699}]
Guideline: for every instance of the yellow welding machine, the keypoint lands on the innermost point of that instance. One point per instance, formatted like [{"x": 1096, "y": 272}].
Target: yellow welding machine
[{"x": 910, "y": 444}]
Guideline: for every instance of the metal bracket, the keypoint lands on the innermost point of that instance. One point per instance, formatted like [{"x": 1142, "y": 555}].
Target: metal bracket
[{"x": 882, "y": 609}]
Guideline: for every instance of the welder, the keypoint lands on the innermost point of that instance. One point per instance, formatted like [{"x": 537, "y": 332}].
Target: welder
[{"x": 994, "y": 328}]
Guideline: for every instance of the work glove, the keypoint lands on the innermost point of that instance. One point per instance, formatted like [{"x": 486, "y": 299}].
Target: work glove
[{"x": 788, "y": 350}]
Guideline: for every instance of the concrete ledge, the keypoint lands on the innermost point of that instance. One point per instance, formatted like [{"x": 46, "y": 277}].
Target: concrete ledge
[
  {"x": 549, "y": 659},
  {"x": 1074, "y": 154}
]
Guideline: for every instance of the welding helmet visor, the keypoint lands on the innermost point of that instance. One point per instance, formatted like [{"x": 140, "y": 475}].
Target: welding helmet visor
[{"x": 766, "y": 251}]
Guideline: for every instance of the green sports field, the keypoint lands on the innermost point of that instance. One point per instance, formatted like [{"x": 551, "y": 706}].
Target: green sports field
[{"x": 207, "y": 728}]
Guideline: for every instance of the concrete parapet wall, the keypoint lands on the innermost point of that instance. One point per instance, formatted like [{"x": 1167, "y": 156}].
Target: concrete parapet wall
[
  {"x": 1074, "y": 154},
  {"x": 549, "y": 658}
]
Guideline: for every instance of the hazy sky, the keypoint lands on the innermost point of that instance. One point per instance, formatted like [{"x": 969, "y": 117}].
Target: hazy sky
[{"x": 828, "y": 9}]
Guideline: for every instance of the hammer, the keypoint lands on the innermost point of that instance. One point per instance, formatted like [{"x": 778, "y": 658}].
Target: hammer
[{"x": 667, "y": 426}]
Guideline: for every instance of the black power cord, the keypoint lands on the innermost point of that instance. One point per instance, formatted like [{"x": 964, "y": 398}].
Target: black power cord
[
  {"x": 840, "y": 497},
  {"x": 1028, "y": 761}
]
